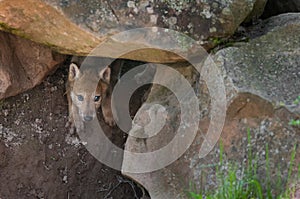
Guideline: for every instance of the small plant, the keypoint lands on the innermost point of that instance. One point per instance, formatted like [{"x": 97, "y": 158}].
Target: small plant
[
  {"x": 290, "y": 191},
  {"x": 294, "y": 122},
  {"x": 216, "y": 41},
  {"x": 297, "y": 100},
  {"x": 248, "y": 186},
  {"x": 1, "y": 103}
]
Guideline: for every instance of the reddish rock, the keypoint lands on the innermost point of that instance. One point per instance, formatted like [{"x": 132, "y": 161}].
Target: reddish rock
[{"x": 23, "y": 64}]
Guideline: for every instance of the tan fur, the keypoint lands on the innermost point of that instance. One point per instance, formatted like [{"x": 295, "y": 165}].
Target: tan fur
[{"x": 82, "y": 88}]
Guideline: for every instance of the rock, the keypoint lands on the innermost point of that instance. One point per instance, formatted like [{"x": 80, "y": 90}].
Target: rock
[
  {"x": 199, "y": 19},
  {"x": 257, "y": 11},
  {"x": 276, "y": 7},
  {"x": 204, "y": 21},
  {"x": 272, "y": 24},
  {"x": 258, "y": 66},
  {"x": 251, "y": 73},
  {"x": 23, "y": 64},
  {"x": 39, "y": 22}
]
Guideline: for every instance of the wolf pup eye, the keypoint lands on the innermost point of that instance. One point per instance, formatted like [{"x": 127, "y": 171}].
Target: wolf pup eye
[
  {"x": 96, "y": 98},
  {"x": 80, "y": 97}
]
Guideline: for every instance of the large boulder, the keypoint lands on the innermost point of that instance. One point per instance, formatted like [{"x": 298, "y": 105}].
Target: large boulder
[
  {"x": 261, "y": 79},
  {"x": 50, "y": 22},
  {"x": 23, "y": 64},
  {"x": 39, "y": 22}
]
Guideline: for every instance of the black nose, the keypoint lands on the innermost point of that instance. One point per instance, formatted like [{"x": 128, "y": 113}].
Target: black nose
[{"x": 87, "y": 118}]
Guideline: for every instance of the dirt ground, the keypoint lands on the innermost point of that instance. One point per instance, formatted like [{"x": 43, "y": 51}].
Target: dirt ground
[{"x": 39, "y": 158}]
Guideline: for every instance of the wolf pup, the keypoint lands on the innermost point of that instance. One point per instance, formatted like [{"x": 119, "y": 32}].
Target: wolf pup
[{"x": 84, "y": 98}]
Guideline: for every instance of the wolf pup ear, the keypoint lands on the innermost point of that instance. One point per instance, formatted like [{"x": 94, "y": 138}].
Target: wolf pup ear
[
  {"x": 105, "y": 75},
  {"x": 74, "y": 72}
]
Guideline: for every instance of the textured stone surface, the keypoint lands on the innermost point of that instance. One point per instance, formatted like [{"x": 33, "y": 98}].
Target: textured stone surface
[
  {"x": 23, "y": 64},
  {"x": 49, "y": 22},
  {"x": 199, "y": 19},
  {"x": 269, "y": 65},
  {"x": 252, "y": 72}
]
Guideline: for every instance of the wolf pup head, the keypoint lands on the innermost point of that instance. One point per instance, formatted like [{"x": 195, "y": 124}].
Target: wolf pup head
[{"x": 88, "y": 88}]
